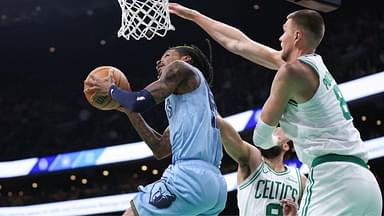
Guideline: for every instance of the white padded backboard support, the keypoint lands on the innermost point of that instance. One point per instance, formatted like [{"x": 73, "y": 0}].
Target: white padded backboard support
[{"x": 319, "y": 5}]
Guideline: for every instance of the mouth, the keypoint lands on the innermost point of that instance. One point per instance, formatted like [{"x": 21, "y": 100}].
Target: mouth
[
  {"x": 159, "y": 70},
  {"x": 158, "y": 74}
]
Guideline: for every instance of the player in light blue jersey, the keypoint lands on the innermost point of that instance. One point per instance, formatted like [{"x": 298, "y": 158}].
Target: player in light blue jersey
[{"x": 192, "y": 184}]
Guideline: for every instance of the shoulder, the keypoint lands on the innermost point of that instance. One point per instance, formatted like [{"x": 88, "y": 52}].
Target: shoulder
[
  {"x": 294, "y": 69},
  {"x": 295, "y": 72},
  {"x": 178, "y": 69},
  {"x": 181, "y": 75},
  {"x": 254, "y": 158}
]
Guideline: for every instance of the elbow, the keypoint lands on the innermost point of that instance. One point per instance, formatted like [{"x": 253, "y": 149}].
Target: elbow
[
  {"x": 159, "y": 155},
  {"x": 277, "y": 61},
  {"x": 162, "y": 151},
  {"x": 176, "y": 65}
]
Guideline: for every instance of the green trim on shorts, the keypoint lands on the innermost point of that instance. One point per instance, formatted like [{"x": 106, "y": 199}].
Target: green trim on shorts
[
  {"x": 323, "y": 159},
  {"x": 336, "y": 157},
  {"x": 299, "y": 179},
  {"x": 307, "y": 200}
]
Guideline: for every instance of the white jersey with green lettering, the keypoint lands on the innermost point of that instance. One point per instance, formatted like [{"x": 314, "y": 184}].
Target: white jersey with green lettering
[
  {"x": 261, "y": 192},
  {"x": 323, "y": 124}
]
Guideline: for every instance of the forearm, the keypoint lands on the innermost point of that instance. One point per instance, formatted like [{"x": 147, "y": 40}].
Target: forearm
[
  {"x": 238, "y": 43},
  {"x": 148, "y": 134},
  {"x": 134, "y": 101},
  {"x": 270, "y": 115},
  {"x": 226, "y": 35},
  {"x": 231, "y": 149},
  {"x": 232, "y": 142},
  {"x": 151, "y": 137},
  {"x": 263, "y": 135},
  {"x": 231, "y": 38}
]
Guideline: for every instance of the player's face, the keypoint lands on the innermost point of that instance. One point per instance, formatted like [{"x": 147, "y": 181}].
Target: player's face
[
  {"x": 287, "y": 40},
  {"x": 168, "y": 57}
]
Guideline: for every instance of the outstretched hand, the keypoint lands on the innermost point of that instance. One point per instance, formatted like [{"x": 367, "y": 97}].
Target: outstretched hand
[{"x": 181, "y": 11}]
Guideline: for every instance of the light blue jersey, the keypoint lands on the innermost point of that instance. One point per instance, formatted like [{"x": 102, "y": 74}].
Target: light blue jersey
[
  {"x": 192, "y": 124},
  {"x": 192, "y": 184}
]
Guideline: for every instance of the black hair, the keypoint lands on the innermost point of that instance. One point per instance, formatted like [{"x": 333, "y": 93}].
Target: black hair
[
  {"x": 272, "y": 152},
  {"x": 199, "y": 60},
  {"x": 291, "y": 153},
  {"x": 276, "y": 150}
]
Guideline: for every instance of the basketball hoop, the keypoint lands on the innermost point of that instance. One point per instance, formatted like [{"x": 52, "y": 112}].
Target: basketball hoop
[{"x": 144, "y": 19}]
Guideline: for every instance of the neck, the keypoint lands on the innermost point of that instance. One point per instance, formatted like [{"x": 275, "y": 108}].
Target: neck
[
  {"x": 299, "y": 52},
  {"x": 276, "y": 163}
]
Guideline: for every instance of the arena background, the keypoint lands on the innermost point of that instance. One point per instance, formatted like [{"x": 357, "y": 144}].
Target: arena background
[{"x": 49, "y": 46}]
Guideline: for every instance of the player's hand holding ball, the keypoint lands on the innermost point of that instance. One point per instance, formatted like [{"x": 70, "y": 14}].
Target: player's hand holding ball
[{"x": 98, "y": 83}]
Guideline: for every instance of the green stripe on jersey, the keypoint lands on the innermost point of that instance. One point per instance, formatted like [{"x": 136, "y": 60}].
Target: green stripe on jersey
[{"x": 253, "y": 178}]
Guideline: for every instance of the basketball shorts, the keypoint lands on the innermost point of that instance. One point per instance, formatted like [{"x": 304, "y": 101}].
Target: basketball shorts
[
  {"x": 341, "y": 188},
  {"x": 189, "y": 187}
]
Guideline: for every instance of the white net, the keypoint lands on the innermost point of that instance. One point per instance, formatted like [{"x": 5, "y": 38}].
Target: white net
[{"x": 144, "y": 19}]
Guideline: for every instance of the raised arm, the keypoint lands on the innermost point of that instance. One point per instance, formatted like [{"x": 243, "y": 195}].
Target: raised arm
[
  {"x": 242, "y": 152},
  {"x": 289, "y": 83},
  {"x": 231, "y": 38},
  {"x": 178, "y": 77}
]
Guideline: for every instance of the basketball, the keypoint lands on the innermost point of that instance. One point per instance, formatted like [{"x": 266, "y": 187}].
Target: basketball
[{"x": 105, "y": 102}]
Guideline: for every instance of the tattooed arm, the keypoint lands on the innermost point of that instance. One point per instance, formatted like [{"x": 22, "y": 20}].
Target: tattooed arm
[
  {"x": 178, "y": 77},
  {"x": 158, "y": 143}
]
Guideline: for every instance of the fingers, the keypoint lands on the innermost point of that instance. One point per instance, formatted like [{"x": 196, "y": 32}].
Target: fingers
[
  {"x": 289, "y": 207},
  {"x": 96, "y": 90},
  {"x": 100, "y": 86},
  {"x": 92, "y": 80},
  {"x": 180, "y": 11},
  {"x": 177, "y": 9},
  {"x": 288, "y": 202},
  {"x": 172, "y": 6},
  {"x": 90, "y": 89},
  {"x": 110, "y": 76},
  {"x": 89, "y": 82}
]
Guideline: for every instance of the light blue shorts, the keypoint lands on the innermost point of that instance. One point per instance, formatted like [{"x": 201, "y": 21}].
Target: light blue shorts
[{"x": 189, "y": 187}]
